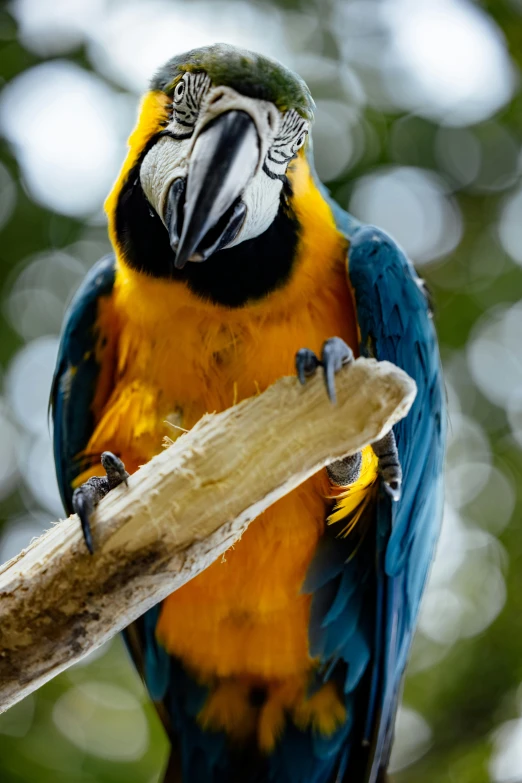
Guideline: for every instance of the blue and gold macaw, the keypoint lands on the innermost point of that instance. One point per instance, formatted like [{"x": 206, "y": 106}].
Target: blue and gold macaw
[{"x": 281, "y": 663}]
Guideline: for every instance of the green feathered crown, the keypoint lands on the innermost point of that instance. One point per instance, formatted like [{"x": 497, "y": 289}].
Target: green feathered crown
[{"x": 247, "y": 72}]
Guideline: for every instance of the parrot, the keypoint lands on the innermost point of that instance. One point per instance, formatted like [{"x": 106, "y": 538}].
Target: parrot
[{"x": 232, "y": 266}]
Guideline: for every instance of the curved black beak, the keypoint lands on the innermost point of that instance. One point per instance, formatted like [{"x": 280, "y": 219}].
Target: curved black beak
[{"x": 223, "y": 161}]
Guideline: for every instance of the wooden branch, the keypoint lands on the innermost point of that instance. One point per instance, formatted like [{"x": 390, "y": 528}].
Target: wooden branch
[{"x": 180, "y": 512}]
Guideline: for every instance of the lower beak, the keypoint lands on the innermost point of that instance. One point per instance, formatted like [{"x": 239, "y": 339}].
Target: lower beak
[{"x": 223, "y": 161}]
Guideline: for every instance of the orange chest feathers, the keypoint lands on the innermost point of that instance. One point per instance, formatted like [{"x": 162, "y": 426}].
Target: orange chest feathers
[
  {"x": 177, "y": 358},
  {"x": 245, "y": 615}
]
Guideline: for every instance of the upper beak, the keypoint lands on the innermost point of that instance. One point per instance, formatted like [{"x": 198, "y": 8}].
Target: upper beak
[{"x": 224, "y": 158}]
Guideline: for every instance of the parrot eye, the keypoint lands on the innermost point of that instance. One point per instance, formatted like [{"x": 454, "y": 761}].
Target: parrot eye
[
  {"x": 186, "y": 102},
  {"x": 291, "y": 137},
  {"x": 298, "y": 143},
  {"x": 179, "y": 92}
]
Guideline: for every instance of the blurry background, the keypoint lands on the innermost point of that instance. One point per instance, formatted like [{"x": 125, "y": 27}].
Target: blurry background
[{"x": 419, "y": 129}]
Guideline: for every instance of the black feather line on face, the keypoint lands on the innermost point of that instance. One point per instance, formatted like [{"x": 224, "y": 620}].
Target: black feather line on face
[
  {"x": 176, "y": 136},
  {"x": 190, "y": 99},
  {"x": 284, "y": 179},
  {"x": 196, "y": 85},
  {"x": 284, "y": 158},
  {"x": 184, "y": 123}
]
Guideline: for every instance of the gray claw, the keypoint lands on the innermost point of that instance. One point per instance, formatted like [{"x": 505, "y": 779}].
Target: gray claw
[
  {"x": 306, "y": 363},
  {"x": 329, "y": 377},
  {"x": 393, "y": 488},
  {"x": 389, "y": 465},
  {"x": 336, "y": 354},
  {"x": 86, "y": 498},
  {"x": 83, "y": 506}
]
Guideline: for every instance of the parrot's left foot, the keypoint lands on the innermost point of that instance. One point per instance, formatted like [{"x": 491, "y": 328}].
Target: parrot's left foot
[
  {"x": 389, "y": 465},
  {"x": 88, "y": 495},
  {"x": 334, "y": 355}
]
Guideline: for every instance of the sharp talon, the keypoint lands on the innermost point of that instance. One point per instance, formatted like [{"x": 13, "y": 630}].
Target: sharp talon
[
  {"x": 82, "y": 507},
  {"x": 306, "y": 363},
  {"x": 389, "y": 465},
  {"x": 335, "y": 355},
  {"x": 393, "y": 489},
  {"x": 329, "y": 376}
]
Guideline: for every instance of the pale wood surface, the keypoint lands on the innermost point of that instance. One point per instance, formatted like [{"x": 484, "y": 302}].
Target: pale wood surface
[{"x": 180, "y": 512}]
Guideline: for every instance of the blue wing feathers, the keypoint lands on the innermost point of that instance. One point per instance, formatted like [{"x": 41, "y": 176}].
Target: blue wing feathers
[
  {"x": 409, "y": 341},
  {"x": 76, "y": 374},
  {"x": 329, "y": 561},
  {"x": 321, "y": 603},
  {"x": 369, "y": 624},
  {"x": 357, "y": 657},
  {"x": 347, "y": 586}
]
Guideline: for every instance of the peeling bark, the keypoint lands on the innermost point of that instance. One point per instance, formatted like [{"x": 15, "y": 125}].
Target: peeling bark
[{"x": 180, "y": 512}]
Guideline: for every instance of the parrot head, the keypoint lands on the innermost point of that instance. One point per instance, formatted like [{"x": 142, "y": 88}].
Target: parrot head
[{"x": 218, "y": 134}]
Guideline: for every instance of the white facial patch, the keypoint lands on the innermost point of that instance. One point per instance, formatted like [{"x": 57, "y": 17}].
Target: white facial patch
[
  {"x": 261, "y": 198},
  {"x": 291, "y": 137},
  {"x": 169, "y": 158},
  {"x": 263, "y": 193},
  {"x": 195, "y": 104},
  {"x": 165, "y": 162}
]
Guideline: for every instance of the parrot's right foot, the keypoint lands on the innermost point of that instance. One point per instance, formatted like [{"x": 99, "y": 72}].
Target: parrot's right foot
[
  {"x": 335, "y": 354},
  {"x": 88, "y": 495}
]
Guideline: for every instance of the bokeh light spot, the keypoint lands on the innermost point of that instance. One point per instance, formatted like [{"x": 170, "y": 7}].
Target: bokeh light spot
[
  {"x": 28, "y": 382},
  {"x": 333, "y": 146},
  {"x": 495, "y": 354},
  {"x": 412, "y": 738},
  {"x": 137, "y": 38},
  {"x": 50, "y": 27},
  {"x": 506, "y": 761},
  {"x": 19, "y": 531},
  {"x": 40, "y": 476},
  {"x": 37, "y": 301},
  {"x": 104, "y": 720},
  {"x": 412, "y": 205},
  {"x": 448, "y": 60},
  {"x": 9, "y": 442},
  {"x": 510, "y": 226},
  {"x": 7, "y": 196},
  {"x": 459, "y": 154},
  {"x": 68, "y": 138}
]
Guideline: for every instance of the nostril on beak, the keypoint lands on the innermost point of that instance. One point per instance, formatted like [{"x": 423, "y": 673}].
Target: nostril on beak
[
  {"x": 272, "y": 120},
  {"x": 216, "y": 98}
]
